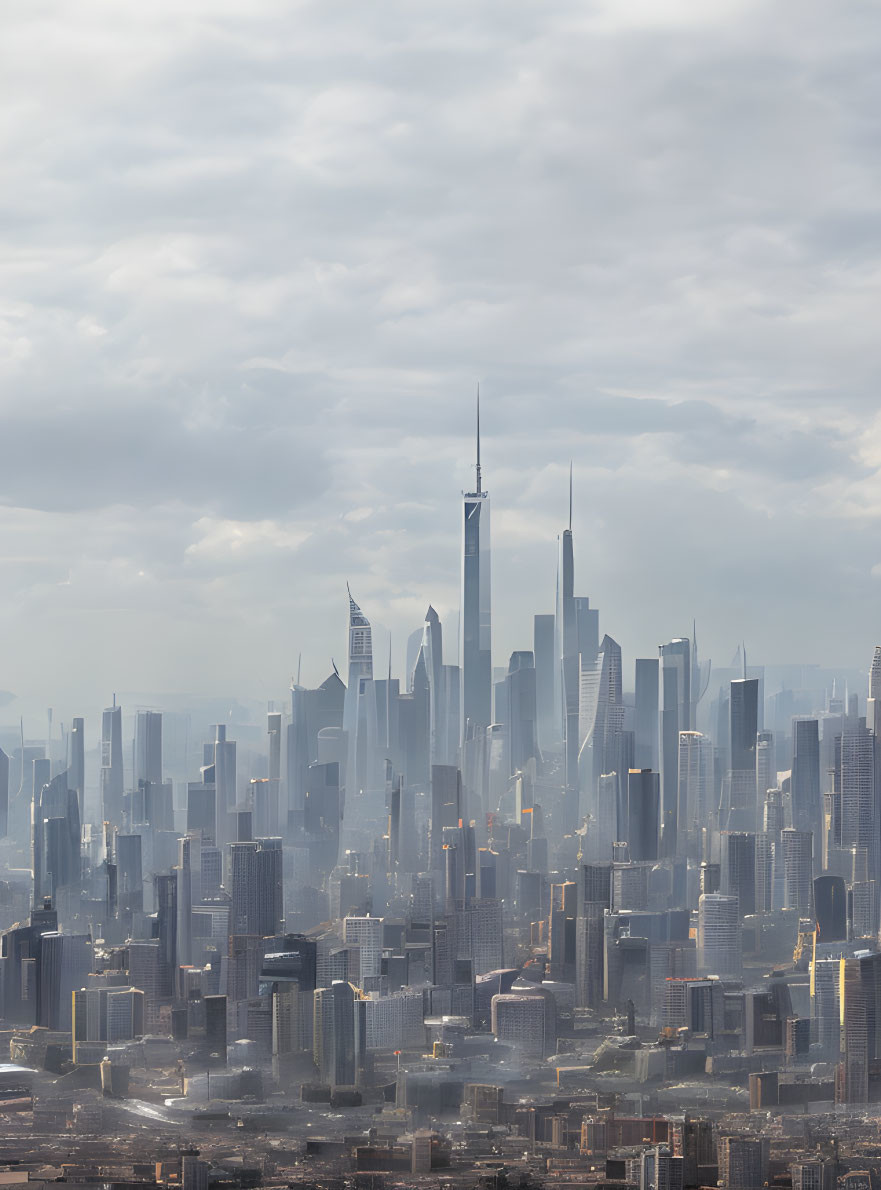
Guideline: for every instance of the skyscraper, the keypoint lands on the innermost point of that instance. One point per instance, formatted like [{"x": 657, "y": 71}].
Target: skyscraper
[
  {"x": 148, "y": 748},
  {"x": 797, "y": 869},
  {"x": 719, "y": 943},
  {"x": 602, "y": 748},
  {"x": 545, "y": 681},
  {"x": 76, "y": 768},
  {"x": 476, "y": 607},
  {"x": 111, "y": 764},
  {"x": 645, "y": 744},
  {"x": 805, "y": 780},
  {"x": 675, "y": 716},
  {"x": 339, "y": 1032},
  {"x": 694, "y": 780},
  {"x": 359, "y": 709},
  {"x": 744, "y": 707}
]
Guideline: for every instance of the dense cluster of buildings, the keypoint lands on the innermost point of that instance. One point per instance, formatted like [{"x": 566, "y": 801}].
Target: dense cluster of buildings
[{"x": 534, "y": 922}]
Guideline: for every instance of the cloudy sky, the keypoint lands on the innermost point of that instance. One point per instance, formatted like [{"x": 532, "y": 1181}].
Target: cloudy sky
[{"x": 256, "y": 256}]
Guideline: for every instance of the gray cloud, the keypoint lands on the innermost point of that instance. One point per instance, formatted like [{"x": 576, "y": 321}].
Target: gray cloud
[{"x": 255, "y": 258}]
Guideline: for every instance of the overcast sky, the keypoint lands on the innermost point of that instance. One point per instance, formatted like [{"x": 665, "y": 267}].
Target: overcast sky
[{"x": 257, "y": 254}]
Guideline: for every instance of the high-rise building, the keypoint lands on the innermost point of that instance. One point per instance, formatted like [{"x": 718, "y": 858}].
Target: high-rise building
[
  {"x": 526, "y": 1020},
  {"x": 77, "y": 767},
  {"x": 741, "y": 812},
  {"x": 4, "y": 794},
  {"x": 339, "y": 1031},
  {"x": 359, "y": 712},
  {"x": 604, "y": 745},
  {"x": 545, "y": 682},
  {"x": 675, "y": 716},
  {"x": 646, "y": 741},
  {"x": 365, "y": 933},
  {"x": 568, "y": 661},
  {"x": 739, "y": 869},
  {"x": 475, "y": 616},
  {"x": 857, "y": 1048},
  {"x": 643, "y": 804},
  {"x": 719, "y": 942},
  {"x": 743, "y": 1162},
  {"x": 805, "y": 780},
  {"x": 148, "y": 748},
  {"x": 797, "y": 848},
  {"x": 694, "y": 777},
  {"x": 660, "y": 1169},
  {"x": 256, "y": 887},
  {"x": 112, "y": 779}
]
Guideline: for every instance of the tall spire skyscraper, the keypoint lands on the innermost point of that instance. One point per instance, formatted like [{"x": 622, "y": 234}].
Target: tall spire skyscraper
[
  {"x": 476, "y": 609},
  {"x": 359, "y": 714},
  {"x": 568, "y": 660}
]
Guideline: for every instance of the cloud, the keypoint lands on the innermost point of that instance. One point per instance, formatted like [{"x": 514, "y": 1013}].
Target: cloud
[{"x": 256, "y": 258}]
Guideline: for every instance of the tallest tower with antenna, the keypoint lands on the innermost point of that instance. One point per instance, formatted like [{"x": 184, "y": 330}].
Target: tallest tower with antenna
[{"x": 475, "y": 614}]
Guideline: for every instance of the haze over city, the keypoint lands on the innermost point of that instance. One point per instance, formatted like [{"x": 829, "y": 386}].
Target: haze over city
[{"x": 440, "y": 556}]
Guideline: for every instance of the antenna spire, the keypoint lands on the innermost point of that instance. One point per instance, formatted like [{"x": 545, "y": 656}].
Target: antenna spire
[
  {"x": 570, "y": 495},
  {"x": 479, "y": 485}
]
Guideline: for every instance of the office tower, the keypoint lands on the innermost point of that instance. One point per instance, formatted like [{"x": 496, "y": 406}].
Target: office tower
[
  {"x": 719, "y": 944},
  {"x": 322, "y": 815},
  {"x": 216, "y": 1026},
  {"x": 852, "y": 1083},
  {"x": 694, "y": 782},
  {"x": 312, "y": 711},
  {"x": 148, "y": 748},
  {"x": 859, "y": 826},
  {"x": 645, "y": 744},
  {"x": 56, "y": 838},
  {"x": 643, "y": 807},
  {"x": 109, "y": 1014},
  {"x": 743, "y": 710},
  {"x": 365, "y": 933},
  {"x": 414, "y": 716},
  {"x": 359, "y": 711},
  {"x": 546, "y": 669},
  {"x": 743, "y": 1162},
  {"x": 112, "y": 780},
  {"x": 272, "y": 826},
  {"x": 443, "y": 693},
  {"x": 516, "y": 708},
  {"x": 525, "y": 1020},
  {"x": 165, "y": 886},
  {"x": 603, "y": 749},
  {"x": 675, "y": 716},
  {"x": 77, "y": 767},
  {"x": 193, "y": 1173},
  {"x": 129, "y": 877},
  {"x": 446, "y": 808},
  {"x": 739, "y": 869},
  {"x": 659, "y": 1169},
  {"x": 798, "y": 873},
  {"x": 766, "y": 769},
  {"x": 339, "y": 1033},
  {"x": 224, "y": 784},
  {"x": 594, "y": 899},
  {"x": 568, "y": 666},
  {"x": 64, "y": 963},
  {"x": 475, "y": 616},
  {"x": 830, "y": 907},
  {"x": 184, "y": 873},
  {"x": 805, "y": 780},
  {"x": 4, "y": 794},
  {"x": 256, "y": 887}
]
